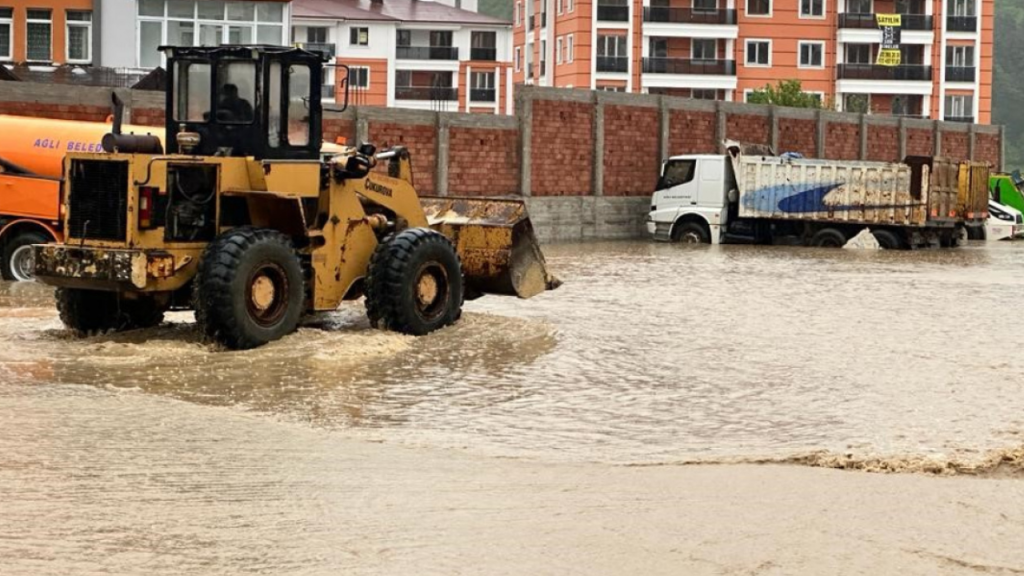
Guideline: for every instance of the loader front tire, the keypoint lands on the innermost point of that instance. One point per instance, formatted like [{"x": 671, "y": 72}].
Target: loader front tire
[
  {"x": 249, "y": 289},
  {"x": 414, "y": 285},
  {"x": 93, "y": 311}
]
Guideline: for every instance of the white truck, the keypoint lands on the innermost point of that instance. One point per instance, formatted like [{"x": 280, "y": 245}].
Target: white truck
[{"x": 747, "y": 198}]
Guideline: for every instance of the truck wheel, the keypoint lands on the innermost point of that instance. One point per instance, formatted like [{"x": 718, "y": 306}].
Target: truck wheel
[
  {"x": 828, "y": 238},
  {"x": 249, "y": 289},
  {"x": 89, "y": 311},
  {"x": 414, "y": 283},
  {"x": 18, "y": 261},
  {"x": 975, "y": 232},
  {"x": 888, "y": 239},
  {"x": 691, "y": 233}
]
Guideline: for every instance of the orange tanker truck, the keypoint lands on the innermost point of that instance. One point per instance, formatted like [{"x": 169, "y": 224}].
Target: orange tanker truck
[{"x": 31, "y": 162}]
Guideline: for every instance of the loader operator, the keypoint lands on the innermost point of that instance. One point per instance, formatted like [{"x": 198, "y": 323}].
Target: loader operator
[{"x": 231, "y": 108}]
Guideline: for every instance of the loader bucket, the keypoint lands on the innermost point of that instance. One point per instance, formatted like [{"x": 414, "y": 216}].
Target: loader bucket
[{"x": 495, "y": 240}]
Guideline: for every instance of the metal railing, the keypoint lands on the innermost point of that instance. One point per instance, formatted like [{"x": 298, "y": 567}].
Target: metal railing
[
  {"x": 426, "y": 93},
  {"x": 869, "y": 21},
  {"x": 427, "y": 52},
  {"x": 876, "y": 72},
  {"x": 689, "y": 15},
  {"x": 489, "y": 54},
  {"x": 609, "y": 12},
  {"x": 960, "y": 73},
  {"x": 689, "y": 66},
  {"x": 612, "y": 64},
  {"x": 961, "y": 23},
  {"x": 482, "y": 95},
  {"x": 962, "y": 119},
  {"x": 325, "y": 49}
]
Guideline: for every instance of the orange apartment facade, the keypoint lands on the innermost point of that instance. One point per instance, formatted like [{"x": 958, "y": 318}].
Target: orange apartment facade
[
  {"x": 725, "y": 49},
  {"x": 410, "y": 53},
  {"x": 46, "y": 31}
]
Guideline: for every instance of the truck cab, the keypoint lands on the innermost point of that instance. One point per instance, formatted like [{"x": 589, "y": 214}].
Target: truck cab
[{"x": 692, "y": 199}]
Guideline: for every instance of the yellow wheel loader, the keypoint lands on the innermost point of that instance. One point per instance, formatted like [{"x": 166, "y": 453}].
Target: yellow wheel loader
[{"x": 246, "y": 221}]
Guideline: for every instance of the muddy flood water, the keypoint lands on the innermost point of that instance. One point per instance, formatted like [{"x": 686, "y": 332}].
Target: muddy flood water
[{"x": 152, "y": 452}]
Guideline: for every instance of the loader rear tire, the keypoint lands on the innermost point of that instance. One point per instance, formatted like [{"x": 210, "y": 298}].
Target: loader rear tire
[
  {"x": 249, "y": 289},
  {"x": 415, "y": 284},
  {"x": 91, "y": 311}
]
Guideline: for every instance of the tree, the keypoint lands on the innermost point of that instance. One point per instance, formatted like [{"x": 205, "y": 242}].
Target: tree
[{"x": 785, "y": 93}]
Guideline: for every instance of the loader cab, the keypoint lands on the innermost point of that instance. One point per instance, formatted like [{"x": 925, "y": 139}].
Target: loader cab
[{"x": 259, "y": 101}]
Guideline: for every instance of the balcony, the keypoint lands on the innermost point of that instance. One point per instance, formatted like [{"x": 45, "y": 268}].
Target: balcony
[
  {"x": 921, "y": 22},
  {"x": 427, "y": 53},
  {"x": 612, "y": 12},
  {"x": 657, "y": 14},
  {"x": 689, "y": 66},
  {"x": 327, "y": 50},
  {"x": 426, "y": 93},
  {"x": 960, "y": 73},
  {"x": 613, "y": 64},
  {"x": 961, "y": 119},
  {"x": 488, "y": 54},
  {"x": 488, "y": 95},
  {"x": 912, "y": 72},
  {"x": 962, "y": 23}
]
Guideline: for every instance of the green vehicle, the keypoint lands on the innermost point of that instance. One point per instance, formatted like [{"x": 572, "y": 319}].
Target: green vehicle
[{"x": 1007, "y": 189}]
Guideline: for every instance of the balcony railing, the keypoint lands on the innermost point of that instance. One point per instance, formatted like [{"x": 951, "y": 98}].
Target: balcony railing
[
  {"x": 608, "y": 12},
  {"x": 428, "y": 52},
  {"x": 426, "y": 93},
  {"x": 960, "y": 73},
  {"x": 612, "y": 64},
  {"x": 875, "y": 72},
  {"x": 482, "y": 95},
  {"x": 868, "y": 21},
  {"x": 689, "y": 15},
  {"x": 325, "y": 49},
  {"x": 961, "y": 23},
  {"x": 489, "y": 54},
  {"x": 689, "y": 66},
  {"x": 963, "y": 119}
]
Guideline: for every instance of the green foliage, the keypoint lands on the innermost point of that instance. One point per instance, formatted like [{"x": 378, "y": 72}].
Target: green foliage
[
  {"x": 497, "y": 8},
  {"x": 1008, "y": 81},
  {"x": 785, "y": 93}
]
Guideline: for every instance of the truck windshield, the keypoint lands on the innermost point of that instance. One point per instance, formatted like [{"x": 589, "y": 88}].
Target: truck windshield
[{"x": 677, "y": 172}]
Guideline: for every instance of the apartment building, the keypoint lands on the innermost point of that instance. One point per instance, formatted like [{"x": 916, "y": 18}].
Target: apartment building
[
  {"x": 725, "y": 49},
  {"x": 411, "y": 53},
  {"x": 46, "y": 31}
]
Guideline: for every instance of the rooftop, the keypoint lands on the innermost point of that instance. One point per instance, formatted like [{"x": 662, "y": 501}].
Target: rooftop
[{"x": 390, "y": 11}]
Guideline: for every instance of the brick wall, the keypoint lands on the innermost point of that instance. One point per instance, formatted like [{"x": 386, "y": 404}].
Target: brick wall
[
  {"x": 420, "y": 140},
  {"x": 81, "y": 112},
  {"x": 797, "y": 135},
  {"x": 631, "y": 158},
  {"x": 335, "y": 128},
  {"x": 562, "y": 159},
  {"x": 691, "y": 132},
  {"x": 483, "y": 162},
  {"x": 955, "y": 144},
  {"x": 842, "y": 141},
  {"x": 919, "y": 142},
  {"x": 986, "y": 148},
  {"x": 748, "y": 128},
  {"x": 883, "y": 143}
]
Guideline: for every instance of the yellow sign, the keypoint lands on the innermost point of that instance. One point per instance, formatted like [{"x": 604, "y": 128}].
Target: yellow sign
[
  {"x": 895, "y": 20},
  {"x": 889, "y": 57}
]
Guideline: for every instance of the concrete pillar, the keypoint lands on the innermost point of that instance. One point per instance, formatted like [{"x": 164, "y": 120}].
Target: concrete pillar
[
  {"x": 524, "y": 111},
  {"x": 819, "y": 139},
  {"x": 971, "y": 141},
  {"x": 721, "y": 128},
  {"x": 598, "y": 174},
  {"x": 863, "y": 136},
  {"x": 362, "y": 127},
  {"x": 903, "y": 139},
  {"x": 936, "y": 138},
  {"x": 664, "y": 128},
  {"x": 773, "y": 128},
  {"x": 443, "y": 150},
  {"x": 1002, "y": 147},
  {"x": 125, "y": 94}
]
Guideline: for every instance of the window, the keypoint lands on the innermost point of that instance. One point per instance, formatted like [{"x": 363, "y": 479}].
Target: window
[
  {"x": 79, "y": 36},
  {"x": 677, "y": 172},
  {"x": 960, "y": 56},
  {"x": 569, "y": 5},
  {"x": 858, "y": 54},
  {"x": 569, "y": 55},
  {"x": 558, "y": 3},
  {"x": 519, "y": 13},
  {"x": 558, "y": 49},
  {"x": 857, "y": 103},
  {"x": 519, "y": 56},
  {"x": 359, "y": 36},
  {"x": 298, "y": 96},
  {"x": 704, "y": 94},
  {"x": 236, "y": 92},
  {"x": 812, "y": 8},
  {"x": 611, "y": 46},
  {"x": 658, "y": 47},
  {"x": 359, "y": 77},
  {"x": 483, "y": 46},
  {"x": 6, "y": 26},
  {"x": 859, "y": 7},
  {"x": 759, "y": 53},
  {"x": 959, "y": 106},
  {"x": 961, "y": 8},
  {"x": 316, "y": 35},
  {"x": 482, "y": 87},
  {"x": 404, "y": 38},
  {"x": 704, "y": 49},
  {"x": 193, "y": 99},
  {"x": 812, "y": 54},
  {"x": 759, "y": 7},
  {"x": 39, "y": 35}
]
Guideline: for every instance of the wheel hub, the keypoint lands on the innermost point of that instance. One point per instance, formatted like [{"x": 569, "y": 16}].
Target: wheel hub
[
  {"x": 426, "y": 289},
  {"x": 263, "y": 293},
  {"x": 23, "y": 264}
]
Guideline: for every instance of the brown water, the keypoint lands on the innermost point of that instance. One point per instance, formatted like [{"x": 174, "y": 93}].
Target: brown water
[{"x": 345, "y": 448}]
